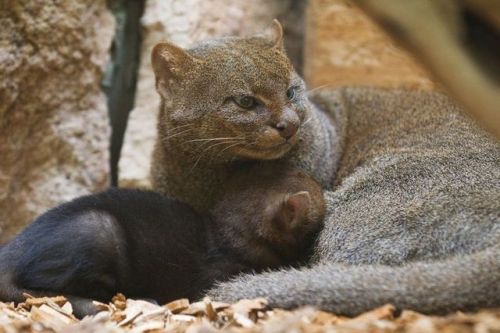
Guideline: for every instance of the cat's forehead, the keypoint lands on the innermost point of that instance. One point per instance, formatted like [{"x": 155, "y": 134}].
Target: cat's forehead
[{"x": 248, "y": 61}]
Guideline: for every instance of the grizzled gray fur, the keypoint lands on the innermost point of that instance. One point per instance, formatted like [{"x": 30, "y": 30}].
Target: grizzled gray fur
[{"x": 414, "y": 217}]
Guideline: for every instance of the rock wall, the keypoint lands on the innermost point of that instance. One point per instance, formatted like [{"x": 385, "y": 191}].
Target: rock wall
[
  {"x": 184, "y": 22},
  {"x": 344, "y": 47},
  {"x": 54, "y": 130}
]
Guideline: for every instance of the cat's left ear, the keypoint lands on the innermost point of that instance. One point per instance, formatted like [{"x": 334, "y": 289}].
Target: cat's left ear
[
  {"x": 275, "y": 34},
  {"x": 170, "y": 63}
]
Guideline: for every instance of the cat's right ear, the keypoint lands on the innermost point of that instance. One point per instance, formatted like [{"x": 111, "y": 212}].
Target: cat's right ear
[
  {"x": 169, "y": 63},
  {"x": 291, "y": 212}
]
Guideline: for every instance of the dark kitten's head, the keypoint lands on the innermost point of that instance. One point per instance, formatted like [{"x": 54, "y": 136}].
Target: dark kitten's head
[
  {"x": 270, "y": 214},
  {"x": 239, "y": 94}
]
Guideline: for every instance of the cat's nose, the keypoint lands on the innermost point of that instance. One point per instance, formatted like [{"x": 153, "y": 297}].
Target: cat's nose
[{"x": 286, "y": 129}]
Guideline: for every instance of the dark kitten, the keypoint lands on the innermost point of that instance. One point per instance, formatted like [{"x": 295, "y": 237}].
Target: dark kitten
[{"x": 148, "y": 246}]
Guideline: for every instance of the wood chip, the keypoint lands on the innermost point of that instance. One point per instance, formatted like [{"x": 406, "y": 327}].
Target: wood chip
[
  {"x": 243, "y": 320},
  {"x": 67, "y": 308},
  {"x": 119, "y": 301},
  {"x": 129, "y": 319},
  {"x": 149, "y": 326},
  {"x": 209, "y": 310},
  {"x": 246, "y": 306},
  {"x": 156, "y": 314},
  {"x": 326, "y": 318},
  {"x": 198, "y": 308},
  {"x": 101, "y": 306},
  {"x": 32, "y": 301},
  {"x": 178, "y": 305},
  {"x": 181, "y": 317},
  {"x": 123, "y": 315},
  {"x": 383, "y": 312},
  {"x": 50, "y": 317}
]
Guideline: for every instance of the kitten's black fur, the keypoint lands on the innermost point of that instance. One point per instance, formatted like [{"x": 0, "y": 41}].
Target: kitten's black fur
[
  {"x": 131, "y": 241},
  {"x": 149, "y": 246}
]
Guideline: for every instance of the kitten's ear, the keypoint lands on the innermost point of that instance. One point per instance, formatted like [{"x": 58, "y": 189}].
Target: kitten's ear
[
  {"x": 293, "y": 210},
  {"x": 275, "y": 34},
  {"x": 169, "y": 63}
]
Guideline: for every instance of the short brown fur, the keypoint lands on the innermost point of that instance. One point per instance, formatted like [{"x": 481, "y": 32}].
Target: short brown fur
[{"x": 204, "y": 136}]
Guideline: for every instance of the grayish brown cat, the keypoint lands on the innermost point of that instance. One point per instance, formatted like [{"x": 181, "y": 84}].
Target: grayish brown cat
[
  {"x": 414, "y": 219},
  {"x": 231, "y": 102},
  {"x": 414, "y": 216}
]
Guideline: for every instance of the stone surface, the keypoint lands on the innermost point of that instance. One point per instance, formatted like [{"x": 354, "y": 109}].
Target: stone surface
[
  {"x": 184, "y": 22},
  {"x": 54, "y": 130},
  {"x": 344, "y": 47}
]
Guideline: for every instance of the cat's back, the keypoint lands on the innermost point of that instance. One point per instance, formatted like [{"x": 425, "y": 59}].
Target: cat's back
[{"x": 417, "y": 179}]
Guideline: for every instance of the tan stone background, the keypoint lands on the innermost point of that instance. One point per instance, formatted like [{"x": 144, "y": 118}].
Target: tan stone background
[
  {"x": 54, "y": 127},
  {"x": 345, "y": 47},
  {"x": 342, "y": 47}
]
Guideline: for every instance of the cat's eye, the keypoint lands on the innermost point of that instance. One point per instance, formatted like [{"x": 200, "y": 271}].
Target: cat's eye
[
  {"x": 291, "y": 93},
  {"x": 245, "y": 101}
]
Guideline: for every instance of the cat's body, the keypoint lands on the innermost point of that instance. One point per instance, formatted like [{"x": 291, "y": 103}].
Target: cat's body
[
  {"x": 414, "y": 214},
  {"x": 148, "y": 246},
  {"x": 414, "y": 218}
]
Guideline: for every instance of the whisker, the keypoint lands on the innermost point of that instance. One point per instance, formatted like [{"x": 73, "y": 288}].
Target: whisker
[
  {"x": 176, "y": 134},
  {"x": 233, "y": 145},
  {"x": 213, "y": 139},
  {"x": 205, "y": 150},
  {"x": 180, "y": 126},
  {"x": 205, "y": 143},
  {"x": 318, "y": 88},
  {"x": 307, "y": 120},
  {"x": 223, "y": 150}
]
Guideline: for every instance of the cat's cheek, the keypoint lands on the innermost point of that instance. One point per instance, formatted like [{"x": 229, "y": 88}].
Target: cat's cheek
[
  {"x": 301, "y": 110},
  {"x": 183, "y": 115}
]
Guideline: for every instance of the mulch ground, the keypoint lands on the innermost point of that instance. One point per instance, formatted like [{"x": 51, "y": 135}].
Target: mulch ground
[{"x": 127, "y": 315}]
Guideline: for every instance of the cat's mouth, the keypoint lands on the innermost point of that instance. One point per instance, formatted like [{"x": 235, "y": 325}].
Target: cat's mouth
[{"x": 266, "y": 153}]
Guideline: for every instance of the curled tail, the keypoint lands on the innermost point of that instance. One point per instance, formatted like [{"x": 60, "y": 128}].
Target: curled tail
[{"x": 460, "y": 283}]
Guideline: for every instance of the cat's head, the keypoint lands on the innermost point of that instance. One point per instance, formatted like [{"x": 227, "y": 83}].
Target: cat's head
[
  {"x": 240, "y": 96},
  {"x": 270, "y": 214}
]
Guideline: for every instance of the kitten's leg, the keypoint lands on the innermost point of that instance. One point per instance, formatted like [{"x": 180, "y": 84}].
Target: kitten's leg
[
  {"x": 82, "y": 307},
  {"x": 9, "y": 291}
]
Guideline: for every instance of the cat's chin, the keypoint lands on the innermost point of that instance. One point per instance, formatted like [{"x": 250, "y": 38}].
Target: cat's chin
[{"x": 258, "y": 153}]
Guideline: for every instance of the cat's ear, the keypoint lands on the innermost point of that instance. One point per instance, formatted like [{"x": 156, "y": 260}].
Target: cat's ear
[
  {"x": 293, "y": 210},
  {"x": 169, "y": 63},
  {"x": 275, "y": 34}
]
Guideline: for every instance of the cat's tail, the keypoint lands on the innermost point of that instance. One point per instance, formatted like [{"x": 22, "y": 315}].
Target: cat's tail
[{"x": 460, "y": 283}]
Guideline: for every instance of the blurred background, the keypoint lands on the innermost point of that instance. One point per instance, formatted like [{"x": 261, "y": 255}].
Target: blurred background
[{"x": 77, "y": 100}]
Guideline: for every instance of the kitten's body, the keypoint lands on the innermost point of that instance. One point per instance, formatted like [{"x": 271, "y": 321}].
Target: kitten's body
[{"x": 148, "y": 246}]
